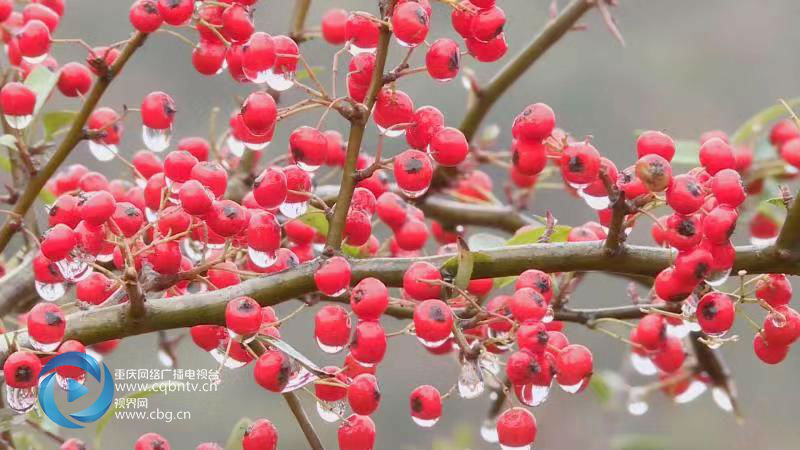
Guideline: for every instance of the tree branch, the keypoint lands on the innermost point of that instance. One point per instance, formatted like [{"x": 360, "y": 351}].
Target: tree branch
[
  {"x": 358, "y": 124},
  {"x": 297, "y": 32},
  {"x": 302, "y": 419},
  {"x": 73, "y": 137},
  {"x": 111, "y": 322},
  {"x": 789, "y": 237}
]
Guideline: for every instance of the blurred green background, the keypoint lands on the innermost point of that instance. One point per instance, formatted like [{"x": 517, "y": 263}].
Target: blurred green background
[{"x": 688, "y": 67}]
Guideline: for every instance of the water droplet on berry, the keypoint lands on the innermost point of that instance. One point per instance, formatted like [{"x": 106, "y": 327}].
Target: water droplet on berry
[
  {"x": 330, "y": 349},
  {"x": 105, "y": 257},
  {"x": 593, "y": 202},
  {"x": 578, "y": 186},
  {"x": 356, "y": 50},
  {"x": 262, "y": 259},
  {"x": 42, "y": 347},
  {"x": 508, "y": 447},
  {"x": 235, "y": 146},
  {"x": 489, "y": 431},
  {"x": 763, "y": 242},
  {"x": 679, "y": 331},
  {"x": 97, "y": 356},
  {"x": 549, "y": 315},
  {"x": 19, "y": 122},
  {"x": 165, "y": 359},
  {"x": 470, "y": 381},
  {"x": 257, "y": 145},
  {"x": 73, "y": 268},
  {"x": 293, "y": 210},
  {"x": 20, "y": 399},
  {"x": 414, "y": 194},
  {"x": 299, "y": 378},
  {"x": 257, "y": 77},
  {"x": 643, "y": 365},
  {"x": 502, "y": 341},
  {"x": 156, "y": 140},
  {"x": 718, "y": 278},
  {"x": 533, "y": 394},
  {"x": 219, "y": 356},
  {"x": 395, "y": 132},
  {"x": 331, "y": 411},
  {"x": 433, "y": 344},
  {"x": 280, "y": 81},
  {"x": 425, "y": 423},
  {"x": 637, "y": 406},
  {"x": 307, "y": 167},
  {"x": 35, "y": 59},
  {"x": 722, "y": 399},
  {"x": 50, "y": 292},
  {"x": 695, "y": 389},
  {"x": 490, "y": 362},
  {"x": 574, "y": 388},
  {"x": 102, "y": 152}
]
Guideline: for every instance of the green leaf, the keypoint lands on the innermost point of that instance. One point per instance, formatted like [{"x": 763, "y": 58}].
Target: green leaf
[
  {"x": 234, "y": 441},
  {"x": 760, "y": 120},
  {"x": 601, "y": 389},
  {"x": 450, "y": 267},
  {"x": 638, "y": 442},
  {"x": 483, "y": 241},
  {"x": 687, "y": 152},
  {"x": 301, "y": 75},
  {"x": 776, "y": 201},
  {"x": 149, "y": 391},
  {"x": 316, "y": 219},
  {"x": 55, "y": 121},
  {"x": 8, "y": 140},
  {"x": 351, "y": 251},
  {"x": 466, "y": 261},
  {"x": 560, "y": 233},
  {"x": 42, "y": 82}
]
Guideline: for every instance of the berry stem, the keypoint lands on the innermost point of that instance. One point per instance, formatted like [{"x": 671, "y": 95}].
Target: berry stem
[{"x": 297, "y": 31}]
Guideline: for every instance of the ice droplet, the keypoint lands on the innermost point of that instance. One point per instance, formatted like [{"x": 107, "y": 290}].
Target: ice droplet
[
  {"x": 235, "y": 146},
  {"x": 74, "y": 268},
  {"x": 257, "y": 145},
  {"x": 63, "y": 382},
  {"x": 643, "y": 365},
  {"x": 50, "y": 292},
  {"x": 44, "y": 347},
  {"x": 307, "y": 167},
  {"x": 165, "y": 359},
  {"x": 102, "y": 152},
  {"x": 533, "y": 394},
  {"x": 763, "y": 242},
  {"x": 262, "y": 259},
  {"x": 433, "y": 344},
  {"x": 19, "y": 122},
  {"x": 156, "y": 140},
  {"x": 20, "y": 399},
  {"x": 413, "y": 194},
  {"x": 219, "y": 356},
  {"x": 35, "y": 59},
  {"x": 470, "y": 381},
  {"x": 257, "y": 77},
  {"x": 593, "y": 202},
  {"x": 331, "y": 411},
  {"x": 330, "y": 349},
  {"x": 637, "y": 406},
  {"x": 508, "y": 447},
  {"x": 280, "y": 81},
  {"x": 678, "y": 331}
]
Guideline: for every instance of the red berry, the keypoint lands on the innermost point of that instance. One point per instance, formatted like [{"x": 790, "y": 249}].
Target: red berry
[
  {"x": 783, "y": 131},
  {"x": 533, "y": 337},
  {"x": 21, "y": 370},
  {"x": 237, "y": 23},
  {"x": 410, "y": 24},
  {"x": 227, "y": 218},
  {"x": 212, "y": 175},
  {"x": 243, "y": 316},
  {"x": 574, "y": 365},
  {"x": 693, "y": 264},
  {"x": 719, "y": 224},
  {"x": 671, "y": 356},
  {"x": 195, "y": 198},
  {"x": 781, "y": 327},
  {"x": 535, "y": 123},
  {"x": 260, "y": 435},
  {"x": 333, "y": 277},
  {"x": 413, "y": 283},
  {"x": 158, "y": 110},
  {"x": 176, "y": 12},
  {"x": 259, "y": 112},
  {"x": 74, "y": 79},
  {"x": 308, "y": 148},
  {"x": 425, "y": 123},
  {"x": 413, "y": 172},
  {"x": 488, "y": 24},
  {"x": 58, "y": 242},
  {"x": 683, "y": 232},
  {"x": 356, "y": 433},
  {"x": 369, "y": 343},
  {"x": 537, "y": 280},
  {"x": 96, "y": 207},
  {"x": 34, "y": 39},
  {"x": 774, "y": 289},
  {"x": 487, "y": 52},
  {"x": 426, "y": 405},
  {"x": 393, "y": 107},
  {"x": 16, "y": 99},
  {"x": 715, "y": 313},
  {"x": 270, "y": 188},
  {"x": 529, "y": 157},
  {"x": 273, "y": 370},
  {"x": 727, "y": 188},
  {"x": 716, "y": 155},
  {"x": 70, "y": 371},
  {"x": 363, "y": 394},
  {"x": 580, "y": 164},
  {"x": 332, "y": 328},
  {"x": 46, "y": 323},
  {"x": 151, "y": 441},
  {"x": 528, "y": 304},
  {"x": 685, "y": 195},
  {"x": 208, "y": 57},
  {"x": 95, "y": 289},
  {"x": 433, "y": 322},
  {"x": 449, "y": 147},
  {"x": 443, "y": 59},
  {"x": 369, "y": 299},
  {"x": 516, "y": 428},
  {"x": 769, "y": 354},
  {"x": 333, "y": 26},
  {"x": 655, "y": 142},
  {"x": 655, "y": 172},
  {"x": 361, "y": 30},
  {"x": 144, "y": 16}
]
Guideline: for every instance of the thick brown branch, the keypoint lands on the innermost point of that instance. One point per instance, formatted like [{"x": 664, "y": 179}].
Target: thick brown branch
[
  {"x": 72, "y": 138},
  {"x": 209, "y": 307}
]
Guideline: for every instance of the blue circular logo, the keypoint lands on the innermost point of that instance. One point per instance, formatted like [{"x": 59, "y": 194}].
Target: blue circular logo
[{"x": 75, "y": 390}]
